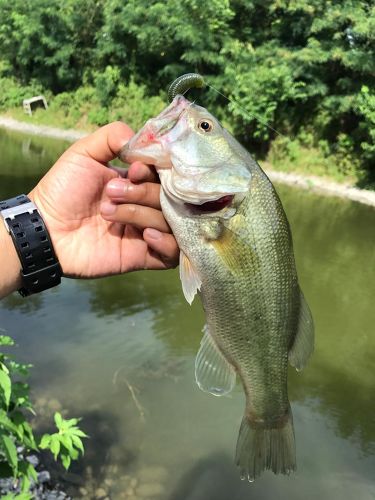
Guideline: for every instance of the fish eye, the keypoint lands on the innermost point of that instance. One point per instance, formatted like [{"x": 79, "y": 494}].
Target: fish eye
[{"x": 205, "y": 125}]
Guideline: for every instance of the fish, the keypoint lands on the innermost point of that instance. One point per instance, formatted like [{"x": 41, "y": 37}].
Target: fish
[{"x": 236, "y": 253}]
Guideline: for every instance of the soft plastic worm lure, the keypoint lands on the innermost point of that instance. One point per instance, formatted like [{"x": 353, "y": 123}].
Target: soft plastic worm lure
[{"x": 183, "y": 83}]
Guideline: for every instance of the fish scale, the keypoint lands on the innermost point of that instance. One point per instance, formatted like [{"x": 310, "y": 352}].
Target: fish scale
[{"x": 237, "y": 252}]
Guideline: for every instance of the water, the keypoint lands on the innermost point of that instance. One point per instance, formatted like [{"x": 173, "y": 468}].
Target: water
[{"x": 120, "y": 353}]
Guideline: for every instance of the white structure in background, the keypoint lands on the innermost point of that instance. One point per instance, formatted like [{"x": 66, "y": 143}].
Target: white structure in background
[{"x": 34, "y": 102}]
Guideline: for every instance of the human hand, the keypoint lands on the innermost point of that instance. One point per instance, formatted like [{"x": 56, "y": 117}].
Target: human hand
[{"x": 70, "y": 198}]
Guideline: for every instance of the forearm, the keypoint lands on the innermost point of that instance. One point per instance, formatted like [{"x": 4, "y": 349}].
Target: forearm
[{"x": 10, "y": 266}]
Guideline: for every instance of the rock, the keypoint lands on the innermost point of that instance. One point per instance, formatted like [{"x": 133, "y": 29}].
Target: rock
[
  {"x": 113, "y": 469},
  {"x": 133, "y": 482},
  {"x": 54, "y": 495},
  {"x": 33, "y": 460},
  {"x": 153, "y": 473},
  {"x": 54, "y": 405},
  {"x": 44, "y": 477},
  {"x": 72, "y": 478},
  {"x": 83, "y": 492},
  {"x": 88, "y": 471},
  {"x": 100, "y": 493},
  {"x": 129, "y": 492},
  {"x": 40, "y": 402},
  {"x": 108, "y": 482},
  {"x": 150, "y": 489}
]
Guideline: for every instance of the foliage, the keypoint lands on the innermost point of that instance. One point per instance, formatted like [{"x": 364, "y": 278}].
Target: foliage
[
  {"x": 297, "y": 67},
  {"x": 67, "y": 442},
  {"x": 16, "y": 431}
]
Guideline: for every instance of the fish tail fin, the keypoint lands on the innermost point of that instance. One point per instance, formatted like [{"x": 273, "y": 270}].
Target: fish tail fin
[{"x": 260, "y": 448}]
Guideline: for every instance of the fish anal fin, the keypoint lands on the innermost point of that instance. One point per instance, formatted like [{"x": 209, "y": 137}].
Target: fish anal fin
[
  {"x": 190, "y": 279},
  {"x": 213, "y": 373},
  {"x": 303, "y": 345}
]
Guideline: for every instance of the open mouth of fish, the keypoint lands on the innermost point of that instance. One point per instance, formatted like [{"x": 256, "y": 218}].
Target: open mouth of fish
[{"x": 211, "y": 206}]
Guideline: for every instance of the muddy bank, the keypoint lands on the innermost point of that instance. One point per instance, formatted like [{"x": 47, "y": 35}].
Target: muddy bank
[{"x": 314, "y": 183}]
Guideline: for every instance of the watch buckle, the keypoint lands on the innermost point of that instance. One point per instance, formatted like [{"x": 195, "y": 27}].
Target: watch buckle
[{"x": 11, "y": 213}]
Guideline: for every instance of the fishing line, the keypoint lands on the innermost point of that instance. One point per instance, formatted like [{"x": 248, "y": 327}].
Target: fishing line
[{"x": 250, "y": 115}]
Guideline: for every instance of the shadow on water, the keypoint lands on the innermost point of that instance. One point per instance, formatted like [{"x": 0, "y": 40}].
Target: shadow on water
[{"x": 210, "y": 478}]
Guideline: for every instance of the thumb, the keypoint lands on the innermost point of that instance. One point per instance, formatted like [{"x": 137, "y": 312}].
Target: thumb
[{"x": 104, "y": 144}]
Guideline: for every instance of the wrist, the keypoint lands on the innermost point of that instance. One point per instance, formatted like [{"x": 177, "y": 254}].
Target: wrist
[
  {"x": 38, "y": 266},
  {"x": 10, "y": 265}
]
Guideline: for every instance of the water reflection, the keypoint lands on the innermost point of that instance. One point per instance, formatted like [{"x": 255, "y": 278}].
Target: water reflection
[
  {"x": 89, "y": 340},
  {"x": 24, "y": 160}
]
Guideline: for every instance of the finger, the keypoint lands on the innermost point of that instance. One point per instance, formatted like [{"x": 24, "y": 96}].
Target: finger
[
  {"x": 164, "y": 245},
  {"x": 104, "y": 144},
  {"x": 136, "y": 215},
  {"x": 122, "y": 190},
  {"x": 122, "y": 172},
  {"x": 141, "y": 255},
  {"x": 139, "y": 172}
]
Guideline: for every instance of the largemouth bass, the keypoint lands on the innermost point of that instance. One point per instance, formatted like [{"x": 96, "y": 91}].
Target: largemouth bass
[{"x": 236, "y": 251}]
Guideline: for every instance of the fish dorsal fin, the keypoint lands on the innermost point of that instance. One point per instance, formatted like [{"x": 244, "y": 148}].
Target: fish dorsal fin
[
  {"x": 303, "y": 344},
  {"x": 190, "y": 279},
  {"x": 213, "y": 373}
]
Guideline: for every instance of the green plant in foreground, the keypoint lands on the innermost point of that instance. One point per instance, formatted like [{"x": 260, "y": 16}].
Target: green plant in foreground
[{"x": 15, "y": 430}]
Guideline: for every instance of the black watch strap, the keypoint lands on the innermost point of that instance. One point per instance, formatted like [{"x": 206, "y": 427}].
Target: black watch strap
[{"x": 40, "y": 267}]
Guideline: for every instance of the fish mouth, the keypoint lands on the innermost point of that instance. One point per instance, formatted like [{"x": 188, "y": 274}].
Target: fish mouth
[{"x": 211, "y": 206}]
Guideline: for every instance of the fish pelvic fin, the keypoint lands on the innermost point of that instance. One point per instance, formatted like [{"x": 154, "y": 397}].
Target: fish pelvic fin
[
  {"x": 303, "y": 345},
  {"x": 263, "y": 447},
  {"x": 213, "y": 373},
  {"x": 190, "y": 279}
]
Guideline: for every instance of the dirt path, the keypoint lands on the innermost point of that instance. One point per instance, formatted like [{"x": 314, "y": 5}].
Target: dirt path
[{"x": 313, "y": 183}]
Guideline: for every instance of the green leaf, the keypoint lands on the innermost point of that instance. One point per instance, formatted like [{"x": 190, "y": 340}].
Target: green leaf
[
  {"x": 30, "y": 436},
  {"x": 71, "y": 422},
  {"x": 77, "y": 432},
  {"x": 25, "y": 484},
  {"x": 6, "y": 340},
  {"x": 6, "y": 386},
  {"x": 31, "y": 472},
  {"x": 67, "y": 442},
  {"x": 65, "y": 459},
  {"x": 78, "y": 443},
  {"x": 74, "y": 454},
  {"x": 55, "y": 445},
  {"x": 10, "y": 452},
  {"x": 58, "y": 420},
  {"x": 27, "y": 469},
  {"x": 6, "y": 422},
  {"x": 45, "y": 441},
  {"x": 4, "y": 367}
]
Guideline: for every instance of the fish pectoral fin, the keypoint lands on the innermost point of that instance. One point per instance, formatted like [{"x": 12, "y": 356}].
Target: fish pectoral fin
[
  {"x": 190, "y": 279},
  {"x": 303, "y": 344},
  {"x": 213, "y": 373}
]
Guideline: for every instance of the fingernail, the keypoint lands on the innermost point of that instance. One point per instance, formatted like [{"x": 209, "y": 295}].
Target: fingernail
[
  {"x": 116, "y": 187},
  {"x": 154, "y": 234},
  {"x": 107, "y": 208}
]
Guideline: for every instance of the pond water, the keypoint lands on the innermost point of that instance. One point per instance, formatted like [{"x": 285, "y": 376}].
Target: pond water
[{"x": 119, "y": 352}]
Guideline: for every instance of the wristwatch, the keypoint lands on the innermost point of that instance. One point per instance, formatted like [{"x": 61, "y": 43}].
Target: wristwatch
[{"x": 40, "y": 267}]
